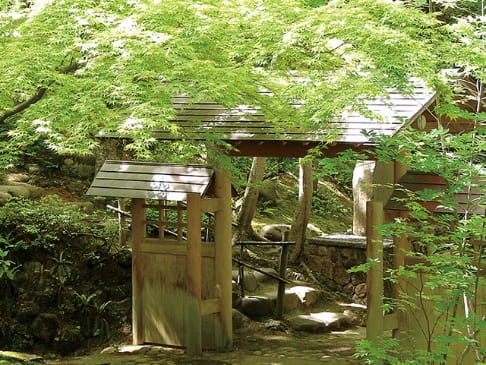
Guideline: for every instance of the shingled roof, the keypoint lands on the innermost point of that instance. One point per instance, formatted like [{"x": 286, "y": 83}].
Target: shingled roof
[
  {"x": 147, "y": 180},
  {"x": 199, "y": 119}
]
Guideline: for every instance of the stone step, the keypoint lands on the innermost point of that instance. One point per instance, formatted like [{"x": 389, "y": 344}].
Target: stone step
[{"x": 320, "y": 322}]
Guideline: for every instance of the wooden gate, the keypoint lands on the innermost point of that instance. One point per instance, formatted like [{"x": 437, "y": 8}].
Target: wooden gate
[{"x": 181, "y": 268}]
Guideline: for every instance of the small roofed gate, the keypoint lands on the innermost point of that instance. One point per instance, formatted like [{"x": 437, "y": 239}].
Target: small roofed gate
[{"x": 181, "y": 257}]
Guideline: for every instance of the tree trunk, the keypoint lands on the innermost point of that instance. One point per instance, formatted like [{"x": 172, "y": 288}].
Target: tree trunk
[
  {"x": 303, "y": 210},
  {"x": 244, "y": 230}
]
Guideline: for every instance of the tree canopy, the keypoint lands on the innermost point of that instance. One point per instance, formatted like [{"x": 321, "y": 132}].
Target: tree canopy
[{"x": 72, "y": 69}]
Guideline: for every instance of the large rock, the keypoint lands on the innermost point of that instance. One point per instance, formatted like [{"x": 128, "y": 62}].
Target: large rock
[
  {"x": 14, "y": 190},
  {"x": 250, "y": 282},
  {"x": 320, "y": 322},
  {"x": 262, "y": 278},
  {"x": 239, "y": 319},
  {"x": 4, "y": 197},
  {"x": 274, "y": 232},
  {"x": 290, "y": 302},
  {"x": 257, "y": 306},
  {"x": 307, "y": 296}
]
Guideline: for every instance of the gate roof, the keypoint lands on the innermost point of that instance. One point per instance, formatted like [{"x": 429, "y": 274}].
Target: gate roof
[
  {"x": 146, "y": 180},
  {"x": 247, "y": 129}
]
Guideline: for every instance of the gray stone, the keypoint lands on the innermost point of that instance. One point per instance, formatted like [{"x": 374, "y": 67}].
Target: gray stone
[
  {"x": 333, "y": 320},
  {"x": 340, "y": 275},
  {"x": 306, "y": 295},
  {"x": 262, "y": 278},
  {"x": 239, "y": 319},
  {"x": 4, "y": 197},
  {"x": 257, "y": 306},
  {"x": 109, "y": 350},
  {"x": 290, "y": 302},
  {"x": 306, "y": 323},
  {"x": 14, "y": 190},
  {"x": 320, "y": 322},
  {"x": 45, "y": 327},
  {"x": 360, "y": 290},
  {"x": 85, "y": 207},
  {"x": 274, "y": 232}
]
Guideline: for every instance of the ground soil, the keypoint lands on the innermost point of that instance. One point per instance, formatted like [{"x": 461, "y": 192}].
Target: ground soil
[{"x": 253, "y": 345}]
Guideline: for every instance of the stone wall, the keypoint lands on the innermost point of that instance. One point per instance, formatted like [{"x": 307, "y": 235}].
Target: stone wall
[{"x": 333, "y": 255}]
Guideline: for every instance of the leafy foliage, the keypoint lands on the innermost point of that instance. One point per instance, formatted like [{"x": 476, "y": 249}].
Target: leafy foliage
[{"x": 74, "y": 69}]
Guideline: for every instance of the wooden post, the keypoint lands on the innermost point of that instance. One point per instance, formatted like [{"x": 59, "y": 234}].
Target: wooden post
[
  {"x": 282, "y": 271},
  {"x": 223, "y": 219},
  {"x": 138, "y": 235},
  {"x": 374, "y": 252},
  {"x": 194, "y": 276},
  {"x": 401, "y": 247}
]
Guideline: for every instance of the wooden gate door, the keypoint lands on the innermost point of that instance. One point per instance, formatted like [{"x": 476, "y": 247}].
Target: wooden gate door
[{"x": 176, "y": 291}]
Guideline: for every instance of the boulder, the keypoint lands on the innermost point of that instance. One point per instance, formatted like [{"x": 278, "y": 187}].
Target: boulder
[
  {"x": 239, "y": 319},
  {"x": 14, "y": 190},
  {"x": 262, "y": 278},
  {"x": 85, "y": 207},
  {"x": 257, "y": 306},
  {"x": 306, "y": 323},
  {"x": 4, "y": 197},
  {"x": 290, "y": 302},
  {"x": 274, "y": 232},
  {"x": 307, "y": 296},
  {"x": 320, "y": 322},
  {"x": 333, "y": 321}
]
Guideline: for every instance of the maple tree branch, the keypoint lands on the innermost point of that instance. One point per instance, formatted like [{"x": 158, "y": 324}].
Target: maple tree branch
[{"x": 39, "y": 94}]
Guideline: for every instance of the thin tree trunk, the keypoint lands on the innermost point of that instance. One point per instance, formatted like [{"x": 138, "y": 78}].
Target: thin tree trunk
[
  {"x": 244, "y": 230},
  {"x": 303, "y": 211}
]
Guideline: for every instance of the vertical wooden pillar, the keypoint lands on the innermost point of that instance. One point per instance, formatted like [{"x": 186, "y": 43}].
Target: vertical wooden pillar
[
  {"x": 194, "y": 276},
  {"x": 401, "y": 247},
  {"x": 282, "y": 268},
  {"x": 223, "y": 219},
  {"x": 138, "y": 235},
  {"x": 374, "y": 251}
]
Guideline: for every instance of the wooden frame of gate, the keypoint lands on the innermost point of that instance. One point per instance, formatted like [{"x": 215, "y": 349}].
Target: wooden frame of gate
[
  {"x": 376, "y": 214},
  {"x": 181, "y": 285}
]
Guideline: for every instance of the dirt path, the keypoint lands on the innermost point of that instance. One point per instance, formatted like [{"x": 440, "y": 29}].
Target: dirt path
[{"x": 263, "y": 347}]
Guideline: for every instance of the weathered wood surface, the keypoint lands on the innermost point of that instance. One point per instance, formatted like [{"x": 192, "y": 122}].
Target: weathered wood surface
[
  {"x": 223, "y": 267},
  {"x": 421, "y": 324},
  {"x": 414, "y": 181},
  {"x": 244, "y": 122},
  {"x": 138, "y": 232},
  {"x": 374, "y": 252},
  {"x": 150, "y": 180}
]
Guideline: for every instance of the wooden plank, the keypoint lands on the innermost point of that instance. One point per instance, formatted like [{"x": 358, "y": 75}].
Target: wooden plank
[
  {"x": 155, "y": 246},
  {"x": 210, "y": 205},
  {"x": 374, "y": 252},
  {"x": 390, "y": 322},
  {"x": 152, "y": 177},
  {"x": 210, "y": 306},
  {"x": 137, "y": 194},
  {"x": 194, "y": 275},
  {"x": 138, "y": 234},
  {"x": 223, "y": 266},
  {"x": 154, "y": 168},
  {"x": 166, "y": 186},
  {"x": 264, "y": 243}
]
